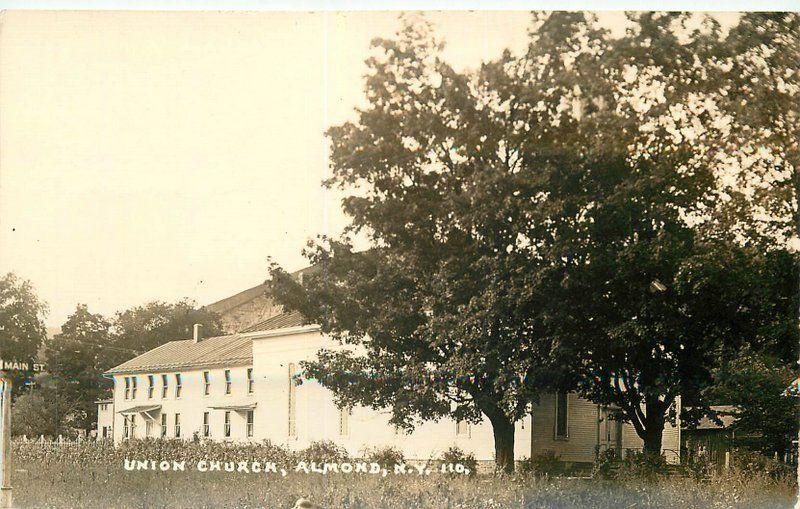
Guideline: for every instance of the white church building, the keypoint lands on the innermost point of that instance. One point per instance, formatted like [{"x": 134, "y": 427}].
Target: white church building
[{"x": 238, "y": 387}]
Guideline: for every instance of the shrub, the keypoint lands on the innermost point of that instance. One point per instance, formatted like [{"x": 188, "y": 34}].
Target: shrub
[
  {"x": 638, "y": 465},
  {"x": 455, "y": 455},
  {"x": 749, "y": 462},
  {"x": 544, "y": 463},
  {"x": 324, "y": 451},
  {"x": 698, "y": 469},
  {"x": 606, "y": 465},
  {"x": 386, "y": 457}
]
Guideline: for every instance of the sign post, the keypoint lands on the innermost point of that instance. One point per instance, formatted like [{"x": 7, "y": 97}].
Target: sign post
[
  {"x": 6, "y": 366},
  {"x": 5, "y": 443}
]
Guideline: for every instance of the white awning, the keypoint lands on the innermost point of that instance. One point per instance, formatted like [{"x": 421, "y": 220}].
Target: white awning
[
  {"x": 236, "y": 407},
  {"x": 146, "y": 410}
]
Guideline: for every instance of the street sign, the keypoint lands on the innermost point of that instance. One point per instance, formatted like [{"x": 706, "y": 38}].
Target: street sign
[{"x": 16, "y": 365}]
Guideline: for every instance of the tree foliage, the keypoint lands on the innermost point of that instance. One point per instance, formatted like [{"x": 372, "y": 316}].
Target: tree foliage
[
  {"x": 617, "y": 207},
  {"x": 764, "y": 418},
  {"x": 22, "y": 329},
  {"x": 145, "y": 327},
  {"x": 76, "y": 359}
]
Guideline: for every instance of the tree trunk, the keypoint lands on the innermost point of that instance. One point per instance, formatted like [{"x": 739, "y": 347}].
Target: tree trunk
[
  {"x": 653, "y": 427},
  {"x": 503, "y": 430}
]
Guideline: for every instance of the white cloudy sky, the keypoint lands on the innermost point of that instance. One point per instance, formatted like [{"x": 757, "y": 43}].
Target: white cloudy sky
[{"x": 165, "y": 155}]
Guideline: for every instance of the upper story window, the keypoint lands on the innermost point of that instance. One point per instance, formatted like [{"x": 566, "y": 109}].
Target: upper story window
[
  {"x": 151, "y": 386},
  {"x": 178, "y": 385},
  {"x": 562, "y": 415},
  {"x": 127, "y": 388},
  {"x": 164, "y": 386},
  {"x": 133, "y": 387},
  {"x": 227, "y": 381},
  {"x": 462, "y": 428},
  {"x": 206, "y": 383},
  {"x": 250, "y": 381}
]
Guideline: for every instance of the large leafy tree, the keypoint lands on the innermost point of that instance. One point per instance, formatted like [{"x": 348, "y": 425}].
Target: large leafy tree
[
  {"x": 428, "y": 308},
  {"x": 76, "y": 359},
  {"x": 656, "y": 233},
  {"x": 602, "y": 200},
  {"x": 22, "y": 329}
]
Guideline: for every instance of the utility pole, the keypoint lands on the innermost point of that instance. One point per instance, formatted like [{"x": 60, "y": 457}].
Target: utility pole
[{"x": 5, "y": 444}]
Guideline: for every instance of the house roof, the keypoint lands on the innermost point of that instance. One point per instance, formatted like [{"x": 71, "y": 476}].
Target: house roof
[
  {"x": 281, "y": 321},
  {"x": 230, "y": 350},
  {"x": 227, "y": 304}
]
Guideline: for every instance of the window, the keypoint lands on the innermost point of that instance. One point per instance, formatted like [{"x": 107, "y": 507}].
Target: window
[
  {"x": 227, "y": 381},
  {"x": 206, "y": 383},
  {"x": 206, "y": 424},
  {"x": 250, "y": 418},
  {"x": 133, "y": 387},
  {"x": 127, "y": 388},
  {"x": 151, "y": 386},
  {"x": 178, "y": 385},
  {"x": 125, "y": 427},
  {"x": 562, "y": 415},
  {"x": 292, "y": 403},
  {"x": 148, "y": 428},
  {"x": 177, "y": 425},
  {"x": 163, "y": 425},
  {"x": 133, "y": 426},
  {"x": 227, "y": 424},
  {"x": 344, "y": 422},
  {"x": 250, "y": 381},
  {"x": 164, "y": 386},
  {"x": 462, "y": 428}
]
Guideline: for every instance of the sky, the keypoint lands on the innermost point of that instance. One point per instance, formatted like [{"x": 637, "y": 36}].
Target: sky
[{"x": 157, "y": 156}]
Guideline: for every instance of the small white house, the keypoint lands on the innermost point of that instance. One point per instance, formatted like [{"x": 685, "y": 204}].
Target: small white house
[
  {"x": 239, "y": 387},
  {"x": 105, "y": 419}
]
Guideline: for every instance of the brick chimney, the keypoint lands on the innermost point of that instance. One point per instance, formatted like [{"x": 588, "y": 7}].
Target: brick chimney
[{"x": 198, "y": 332}]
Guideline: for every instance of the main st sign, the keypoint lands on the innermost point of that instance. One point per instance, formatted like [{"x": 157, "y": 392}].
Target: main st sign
[{"x": 15, "y": 365}]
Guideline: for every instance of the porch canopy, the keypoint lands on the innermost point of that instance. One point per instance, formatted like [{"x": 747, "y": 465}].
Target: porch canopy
[
  {"x": 236, "y": 407},
  {"x": 147, "y": 410}
]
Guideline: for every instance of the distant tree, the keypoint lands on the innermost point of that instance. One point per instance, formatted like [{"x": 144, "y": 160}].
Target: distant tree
[
  {"x": 76, "y": 359},
  {"x": 143, "y": 328},
  {"x": 765, "y": 419},
  {"x": 22, "y": 329},
  {"x": 42, "y": 411}
]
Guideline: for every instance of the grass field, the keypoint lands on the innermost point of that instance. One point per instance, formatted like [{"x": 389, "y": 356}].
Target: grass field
[
  {"x": 94, "y": 477},
  {"x": 62, "y": 485}
]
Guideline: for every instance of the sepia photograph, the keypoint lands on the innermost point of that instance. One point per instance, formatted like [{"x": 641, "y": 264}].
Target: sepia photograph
[{"x": 400, "y": 258}]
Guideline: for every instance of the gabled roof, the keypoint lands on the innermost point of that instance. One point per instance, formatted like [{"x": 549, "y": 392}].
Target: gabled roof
[
  {"x": 231, "y": 350},
  {"x": 281, "y": 321}
]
